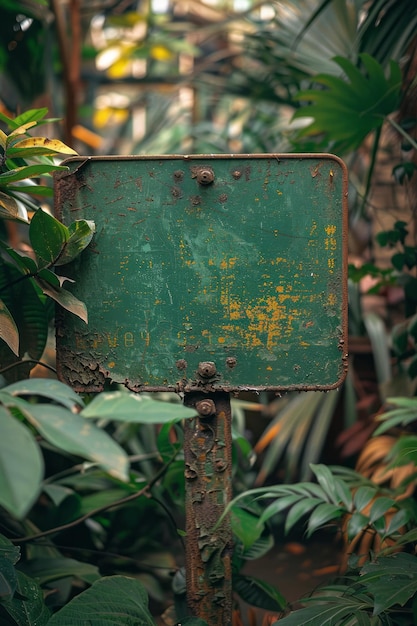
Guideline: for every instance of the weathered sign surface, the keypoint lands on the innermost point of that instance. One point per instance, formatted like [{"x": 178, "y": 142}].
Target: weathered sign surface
[{"x": 224, "y": 272}]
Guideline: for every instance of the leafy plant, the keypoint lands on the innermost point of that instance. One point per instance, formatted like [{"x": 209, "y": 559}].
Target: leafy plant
[
  {"x": 381, "y": 592},
  {"x": 27, "y": 279}
]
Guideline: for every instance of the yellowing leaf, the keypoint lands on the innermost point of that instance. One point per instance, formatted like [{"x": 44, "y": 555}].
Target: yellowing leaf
[
  {"x": 50, "y": 145},
  {"x": 8, "y": 329},
  {"x": 3, "y": 139},
  {"x": 8, "y": 206},
  {"x": 161, "y": 53},
  {"x": 21, "y": 130}
]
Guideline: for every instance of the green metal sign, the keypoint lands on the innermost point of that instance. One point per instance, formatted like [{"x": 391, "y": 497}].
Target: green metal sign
[{"x": 207, "y": 272}]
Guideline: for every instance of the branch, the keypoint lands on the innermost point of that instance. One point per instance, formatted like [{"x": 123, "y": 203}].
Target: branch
[{"x": 100, "y": 509}]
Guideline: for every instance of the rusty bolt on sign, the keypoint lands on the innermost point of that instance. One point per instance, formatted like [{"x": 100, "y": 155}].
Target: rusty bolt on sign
[
  {"x": 207, "y": 369},
  {"x": 205, "y": 176},
  {"x": 205, "y": 407}
]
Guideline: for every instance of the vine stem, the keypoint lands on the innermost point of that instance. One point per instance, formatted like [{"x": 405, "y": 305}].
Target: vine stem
[{"x": 142, "y": 492}]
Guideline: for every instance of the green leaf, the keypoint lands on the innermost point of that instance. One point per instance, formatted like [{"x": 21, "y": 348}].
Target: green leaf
[
  {"x": 28, "y": 171},
  {"x": 412, "y": 368},
  {"x": 31, "y": 115},
  {"x": 330, "y": 610},
  {"x": 259, "y": 548},
  {"x": 32, "y": 190},
  {"x": 380, "y": 507},
  {"x": 391, "y": 580},
  {"x": 399, "y": 336},
  {"x": 46, "y": 570},
  {"x": 321, "y": 515},
  {"x": 327, "y": 481},
  {"x": 299, "y": 511},
  {"x": 356, "y": 524},
  {"x": 347, "y": 111},
  {"x": 258, "y": 593},
  {"x": 8, "y": 550},
  {"x": 76, "y": 435},
  {"x": 397, "y": 521},
  {"x": 27, "y": 607},
  {"x": 25, "y": 263},
  {"x": 245, "y": 526},
  {"x": 80, "y": 234},
  {"x": 47, "y": 276},
  {"x": 42, "y": 387},
  {"x": 412, "y": 326},
  {"x": 404, "y": 451},
  {"x": 8, "y": 580},
  {"x": 130, "y": 407},
  {"x": 280, "y": 504},
  {"x": 47, "y": 237},
  {"x": 8, "y": 329},
  {"x": 363, "y": 496},
  {"x": 29, "y": 314},
  {"x": 21, "y": 466},
  {"x": 64, "y": 298},
  {"x": 111, "y": 601},
  {"x": 398, "y": 260}
]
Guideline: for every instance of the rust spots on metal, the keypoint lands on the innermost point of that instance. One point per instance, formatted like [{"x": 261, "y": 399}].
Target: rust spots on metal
[
  {"x": 231, "y": 362},
  {"x": 207, "y": 369},
  {"x": 208, "y": 454},
  {"x": 223, "y": 198},
  {"x": 178, "y": 175},
  {"x": 236, "y": 174},
  {"x": 176, "y": 192},
  {"x": 181, "y": 364},
  {"x": 195, "y": 200},
  {"x": 203, "y": 173}
]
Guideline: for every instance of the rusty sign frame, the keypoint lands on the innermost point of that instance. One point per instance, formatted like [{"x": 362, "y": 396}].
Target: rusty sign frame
[{"x": 198, "y": 190}]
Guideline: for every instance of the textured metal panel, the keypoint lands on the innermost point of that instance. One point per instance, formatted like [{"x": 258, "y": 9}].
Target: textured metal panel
[{"x": 237, "y": 262}]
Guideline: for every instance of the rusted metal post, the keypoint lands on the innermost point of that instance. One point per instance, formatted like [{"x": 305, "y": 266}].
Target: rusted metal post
[{"x": 208, "y": 473}]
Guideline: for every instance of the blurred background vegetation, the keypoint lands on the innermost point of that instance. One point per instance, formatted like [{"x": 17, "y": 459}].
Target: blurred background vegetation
[{"x": 240, "y": 76}]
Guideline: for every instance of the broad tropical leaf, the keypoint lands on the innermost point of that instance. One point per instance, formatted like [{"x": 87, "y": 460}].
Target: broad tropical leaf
[
  {"x": 21, "y": 466},
  {"x": 46, "y": 570},
  {"x": 27, "y": 607},
  {"x": 131, "y": 407},
  {"x": 52, "y": 389},
  {"x": 111, "y": 601},
  {"x": 71, "y": 432}
]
